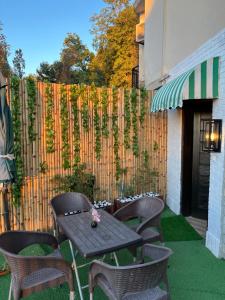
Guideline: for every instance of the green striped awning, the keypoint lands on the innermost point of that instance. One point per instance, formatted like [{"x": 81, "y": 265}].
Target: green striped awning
[{"x": 201, "y": 82}]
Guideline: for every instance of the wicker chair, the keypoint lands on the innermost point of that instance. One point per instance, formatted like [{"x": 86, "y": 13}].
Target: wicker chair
[
  {"x": 148, "y": 211},
  {"x": 34, "y": 273},
  {"x": 134, "y": 282},
  {"x": 68, "y": 202}
]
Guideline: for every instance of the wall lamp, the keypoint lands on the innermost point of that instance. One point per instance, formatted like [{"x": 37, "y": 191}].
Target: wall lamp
[{"x": 211, "y": 135}]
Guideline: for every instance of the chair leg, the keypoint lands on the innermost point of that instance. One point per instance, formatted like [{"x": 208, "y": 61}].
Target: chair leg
[
  {"x": 10, "y": 291},
  {"x": 72, "y": 295}
]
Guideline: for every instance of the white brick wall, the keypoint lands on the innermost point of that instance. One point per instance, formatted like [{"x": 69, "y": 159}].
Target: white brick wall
[{"x": 215, "y": 239}]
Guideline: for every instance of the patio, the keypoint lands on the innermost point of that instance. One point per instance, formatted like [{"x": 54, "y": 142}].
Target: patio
[{"x": 193, "y": 271}]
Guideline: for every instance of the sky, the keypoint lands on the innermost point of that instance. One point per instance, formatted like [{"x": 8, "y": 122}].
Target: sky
[{"x": 39, "y": 27}]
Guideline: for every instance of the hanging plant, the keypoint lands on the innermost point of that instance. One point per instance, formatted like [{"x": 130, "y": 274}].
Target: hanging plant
[
  {"x": 127, "y": 119},
  {"x": 143, "y": 96},
  {"x": 17, "y": 131},
  {"x": 74, "y": 95},
  {"x": 84, "y": 107},
  {"x": 97, "y": 125},
  {"x": 115, "y": 129},
  {"x": 105, "y": 116},
  {"x": 49, "y": 120},
  {"x": 64, "y": 115},
  {"x": 135, "y": 146},
  {"x": 31, "y": 104}
]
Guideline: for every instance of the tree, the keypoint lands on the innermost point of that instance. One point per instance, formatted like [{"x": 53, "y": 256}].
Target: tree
[
  {"x": 50, "y": 72},
  {"x": 19, "y": 63},
  {"x": 75, "y": 58},
  {"x": 4, "y": 52},
  {"x": 114, "y": 40}
]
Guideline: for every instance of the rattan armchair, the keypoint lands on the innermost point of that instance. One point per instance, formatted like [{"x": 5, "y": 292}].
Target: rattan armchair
[
  {"x": 148, "y": 211},
  {"x": 68, "y": 202},
  {"x": 140, "y": 281},
  {"x": 30, "y": 274}
]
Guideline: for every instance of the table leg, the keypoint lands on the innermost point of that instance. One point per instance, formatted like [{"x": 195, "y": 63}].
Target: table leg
[
  {"x": 76, "y": 271},
  {"x": 116, "y": 259},
  {"x": 10, "y": 291}
]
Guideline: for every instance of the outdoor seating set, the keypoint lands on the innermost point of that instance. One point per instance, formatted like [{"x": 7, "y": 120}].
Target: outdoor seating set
[{"x": 73, "y": 217}]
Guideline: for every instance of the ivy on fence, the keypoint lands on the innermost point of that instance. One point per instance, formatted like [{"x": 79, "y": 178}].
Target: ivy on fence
[
  {"x": 76, "y": 127},
  {"x": 143, "y": 98},
  {"x": 49, "y": 120},
  {"x": 84, "y": 107},
  {"x": 31, "y": 105},
  {"x": 127, "y": 119},
  {"x": 17, "y": 128},
  {"x": 97, "y": 125},
  {"x": 115, "y": 129},
  {"x": 105, "y": 116},
  {"x": 134, "y": 102},
  {"x": 64, "y": 114}
]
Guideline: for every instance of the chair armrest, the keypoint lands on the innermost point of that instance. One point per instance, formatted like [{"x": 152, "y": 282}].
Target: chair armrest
[
  {"x": 153, "y": 221},
  {"x": 99, "y": 268},
  {"x": 126, "y": 212}
]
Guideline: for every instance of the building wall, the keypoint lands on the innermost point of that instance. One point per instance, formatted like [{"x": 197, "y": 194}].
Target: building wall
[
  {"x": 215, "y": 239},
  {"x": 174, "y": 29}
]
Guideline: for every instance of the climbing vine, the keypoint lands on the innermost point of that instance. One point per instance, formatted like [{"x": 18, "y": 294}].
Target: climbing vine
[
  {"x": 64, "y": 114},
  {"x": 97, "y": 125},
  {"x": 127, "y": 119},
  {"x": 76, "y": 127},
  {"x": 49, "y": 120},
  {"x": 31, "y": 103},
  {"x": 17, "y": 130},
  {"x": 115, "y": 129},
  {"x": 84, "y": 107},
  {"x": 143, "y": 98},
  {"x": 135, "y": 146},
  {"x": 105, "y": 116}
]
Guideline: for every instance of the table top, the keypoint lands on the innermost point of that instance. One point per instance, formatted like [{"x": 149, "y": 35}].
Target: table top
[{"x": 109, "y": 235}]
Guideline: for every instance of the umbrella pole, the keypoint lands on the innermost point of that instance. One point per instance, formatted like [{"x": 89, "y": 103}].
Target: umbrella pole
[{"x": 5, "y": 207}]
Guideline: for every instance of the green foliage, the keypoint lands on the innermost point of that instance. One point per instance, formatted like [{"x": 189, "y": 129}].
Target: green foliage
[
  {"x": 4, "y": 52},
  {"x": 17, "y": 130},
  {"x": 127, "y": 119},
  {"x": 43, "y": 167},
  {"x": 31, "y": 105},
  {"x": 143, "y": 96},
  {"x": 97, "y": 124},
  {"x": 84, "y": 107},
  {"x": 134, "y": 102},
  {"x": 64, "y": 115},
  {"x": 49, "y": 119},
  {"x": 80, "y": 181},
  {"x": 74, "y": 95},
  {"x": 105, "y": 116},
  {"x": 115, "y": 129},
  {"x": 19, "y": 63},
  {"x": 114, "y": 40}
]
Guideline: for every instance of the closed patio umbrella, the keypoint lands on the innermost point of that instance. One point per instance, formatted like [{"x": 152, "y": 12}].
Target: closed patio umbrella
[{"x": 7, "y": 162}]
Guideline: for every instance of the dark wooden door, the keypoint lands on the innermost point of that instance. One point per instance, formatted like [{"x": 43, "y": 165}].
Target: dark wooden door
[{"x": 200, "y": 169}]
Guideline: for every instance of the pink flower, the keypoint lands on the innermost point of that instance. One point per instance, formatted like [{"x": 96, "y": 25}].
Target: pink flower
[{"x": 95, "y": 215}]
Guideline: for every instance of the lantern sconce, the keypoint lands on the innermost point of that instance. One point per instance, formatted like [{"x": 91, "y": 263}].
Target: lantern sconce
[{"x": 211, "y": 135}]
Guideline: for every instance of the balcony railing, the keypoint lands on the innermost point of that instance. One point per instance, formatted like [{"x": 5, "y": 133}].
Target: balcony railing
[{"x": 140, "y": 33}]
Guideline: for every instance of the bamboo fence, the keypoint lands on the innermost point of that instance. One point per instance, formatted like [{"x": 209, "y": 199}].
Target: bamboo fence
[{"x": 34, "y": 212}]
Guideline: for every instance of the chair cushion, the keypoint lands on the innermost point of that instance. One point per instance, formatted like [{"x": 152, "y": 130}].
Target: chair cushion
[{"x": 150, "y": 294}]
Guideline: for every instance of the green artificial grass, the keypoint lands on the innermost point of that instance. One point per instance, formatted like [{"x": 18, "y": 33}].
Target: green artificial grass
[{"x": 176, "y": 228}]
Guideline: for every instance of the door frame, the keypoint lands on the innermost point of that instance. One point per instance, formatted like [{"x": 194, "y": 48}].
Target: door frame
[{"x": 188, "y": 110}]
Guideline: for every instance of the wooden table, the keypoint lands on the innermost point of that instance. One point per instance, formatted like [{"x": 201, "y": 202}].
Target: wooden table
[{"x": 110, "y": 235}]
